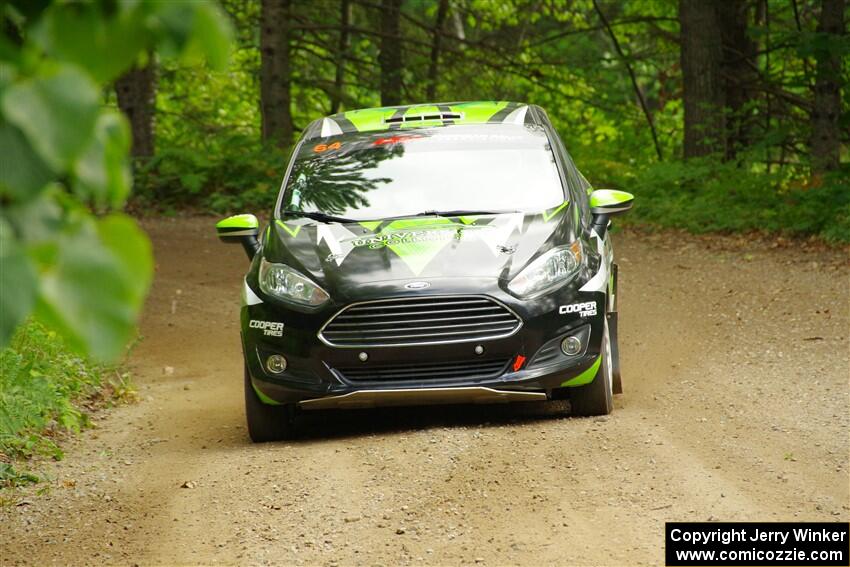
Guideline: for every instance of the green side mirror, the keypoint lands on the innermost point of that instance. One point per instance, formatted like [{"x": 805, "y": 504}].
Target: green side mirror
[
  {"x": 610, "y": 202},
  {"x": 241, "y": 229},
  {"x": 605, "y": 203}
]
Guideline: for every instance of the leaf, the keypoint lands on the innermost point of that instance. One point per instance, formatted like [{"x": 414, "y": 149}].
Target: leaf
[
  {"x": 213, "y": 34},
  {"x": 17, "y": 284},
  {"x": 56, "y": 111},
  {"x": 95, "y": 290},
  {"x": 103, "y": 171},
  {"x": 36, "y": 221},
  {"x": 174, "y": 22},
  {"x": 104, "y": 45},
  {"x": 22, "y": 172},
  {"x": 196, "y": 30}
]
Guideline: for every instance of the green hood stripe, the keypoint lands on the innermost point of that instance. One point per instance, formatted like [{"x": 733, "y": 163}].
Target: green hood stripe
[
  {"x": 548, "y": 215},
  {"x": 585, "y": 377},
  {"x": 293, "y": 232},
  {"x": 370, "y": 225}
]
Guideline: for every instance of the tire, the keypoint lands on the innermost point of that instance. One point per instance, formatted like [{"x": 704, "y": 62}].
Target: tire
[
  {"x": 596, "y": 398},
  {"x": 267, "y": 422}
]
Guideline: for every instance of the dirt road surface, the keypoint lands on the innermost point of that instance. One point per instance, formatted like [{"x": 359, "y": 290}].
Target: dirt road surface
[{"x": 736, "y": 407}]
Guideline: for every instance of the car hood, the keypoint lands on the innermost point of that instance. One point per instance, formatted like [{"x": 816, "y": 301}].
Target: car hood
[{"x": 417, "y": 249}]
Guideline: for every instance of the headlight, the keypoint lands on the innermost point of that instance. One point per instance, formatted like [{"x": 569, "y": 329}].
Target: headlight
[
  {"x": 281, "y": 281},
  {"x": 553, "y": 269}
]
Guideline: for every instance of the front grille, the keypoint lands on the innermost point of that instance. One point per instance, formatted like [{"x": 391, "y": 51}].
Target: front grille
[
  {"x": 420, "y": 320},
  {"x": 425, "y": 372}
]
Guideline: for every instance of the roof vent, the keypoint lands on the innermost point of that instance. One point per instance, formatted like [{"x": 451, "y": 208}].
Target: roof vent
[{"x": 423, "y": 117}]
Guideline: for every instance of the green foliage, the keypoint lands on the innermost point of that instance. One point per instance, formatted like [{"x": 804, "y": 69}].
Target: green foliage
[
  {"x": 242, "y": 174},
  {"x": 67, "y": 255},
  {"x": 709, "y": 195},
  {"x": 555, "y": 54},
  {"x": 46, "y": 392}
]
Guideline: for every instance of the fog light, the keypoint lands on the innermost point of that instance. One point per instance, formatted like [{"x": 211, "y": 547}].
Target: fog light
[
  {"x": 571, "y": 346},
  {"x": 275, "y": 364}
]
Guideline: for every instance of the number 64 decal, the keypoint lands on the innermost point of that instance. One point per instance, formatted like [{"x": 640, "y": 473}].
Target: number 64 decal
[{"x": 319, "y": 148}]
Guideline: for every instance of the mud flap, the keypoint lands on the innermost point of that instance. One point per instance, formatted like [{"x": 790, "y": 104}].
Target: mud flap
[{"x": 616, "y": 383}]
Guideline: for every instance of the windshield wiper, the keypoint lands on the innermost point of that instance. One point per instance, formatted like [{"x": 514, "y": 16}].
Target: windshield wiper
[
  {"x": 459, "y": 213},
  {"x": 317, "y": 216}
]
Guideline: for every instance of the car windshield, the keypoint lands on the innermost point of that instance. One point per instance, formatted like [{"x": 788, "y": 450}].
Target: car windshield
[{"x": 367, "y": 176}]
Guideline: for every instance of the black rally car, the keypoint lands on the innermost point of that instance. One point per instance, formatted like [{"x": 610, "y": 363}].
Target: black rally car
[{"x": 429, "y": 254}]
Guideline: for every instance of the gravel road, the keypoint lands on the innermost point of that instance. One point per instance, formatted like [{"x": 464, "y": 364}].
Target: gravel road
[{"x": 736, "y": 407}]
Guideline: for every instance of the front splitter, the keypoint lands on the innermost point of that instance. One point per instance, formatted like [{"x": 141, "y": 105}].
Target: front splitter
[{"x": 421, "y": 396}]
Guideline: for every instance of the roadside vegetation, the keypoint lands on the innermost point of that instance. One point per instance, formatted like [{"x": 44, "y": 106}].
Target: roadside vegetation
[
  {"x": 47, "y": 393},
  {"x": 74, "y": 268}
]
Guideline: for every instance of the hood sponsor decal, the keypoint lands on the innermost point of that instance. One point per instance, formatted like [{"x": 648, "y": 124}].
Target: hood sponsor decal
[
  {"x": 338, "y": 238},
  {"x": 418, "y": 241},
  {"x": 399, "y": 237}
]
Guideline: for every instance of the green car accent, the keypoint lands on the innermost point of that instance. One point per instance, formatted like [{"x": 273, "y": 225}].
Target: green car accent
[
  {"x": 293, "y": 232},
  {"x": 370, "y": 225},
  {"x": 237, "y": 225},
  {"x": 264, "y": 398},
  {"x": 418, "y": 253},
  {"x": 550, "y": 214},
  {"x": 609, "y": 197},
  {"x": 375, "y": 119},
  {"x": 238, "y": 221},
  {"x": 585, "y": 377}
]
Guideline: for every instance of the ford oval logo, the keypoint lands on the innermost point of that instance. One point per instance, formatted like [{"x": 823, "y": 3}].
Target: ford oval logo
[{"x": 417, "y": 285}]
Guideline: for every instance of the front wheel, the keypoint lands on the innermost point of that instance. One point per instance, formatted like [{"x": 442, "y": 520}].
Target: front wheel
[
  {"x": 596, "y": 398},
  {"x": 267, "y": 422}
]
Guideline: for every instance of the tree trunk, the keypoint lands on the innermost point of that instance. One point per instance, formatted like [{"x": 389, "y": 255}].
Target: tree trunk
[
  {"x": 390, "y": 56},
  {"x": 341, "y": 52},
  {"x": 701, "y": 57},
  {"x": 826, "y": 134},
  {"x": 638, "y": 92},
  {"x": 275, "y": 94},
  {"x": 738, "y": 71},
  {"x": 136, "y": 93},
  {"x": 433, "y": 67}
]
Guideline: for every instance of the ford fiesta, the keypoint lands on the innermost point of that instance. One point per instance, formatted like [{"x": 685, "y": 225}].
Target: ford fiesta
[{"x": 429, "y": 254}]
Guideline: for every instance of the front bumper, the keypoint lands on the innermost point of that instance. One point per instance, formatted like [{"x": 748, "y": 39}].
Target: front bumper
[{"x": 314, "y": 380}]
